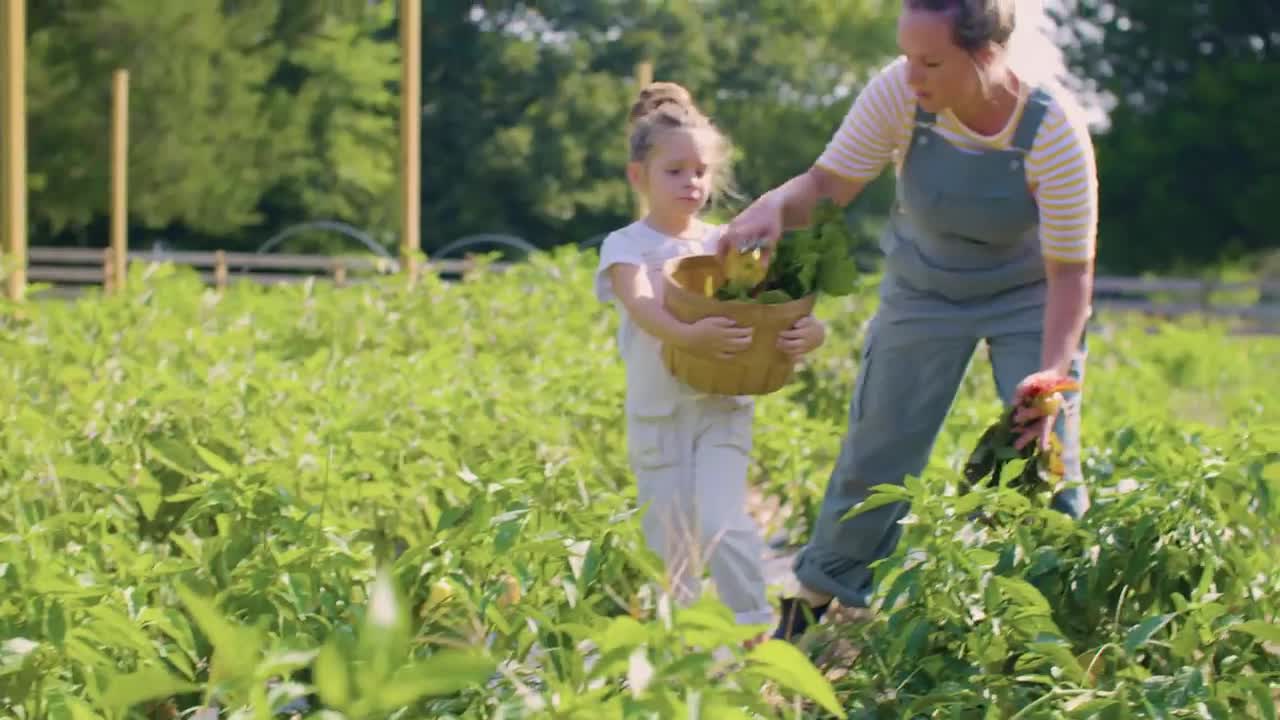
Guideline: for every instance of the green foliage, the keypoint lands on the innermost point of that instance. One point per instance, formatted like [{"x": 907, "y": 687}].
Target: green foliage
[
  {"x": 1193, "y": 119},
  {"x": 249, "y": 116},
  {"x": 239, "y": 114},
  {"x": 251, "y": 499}
]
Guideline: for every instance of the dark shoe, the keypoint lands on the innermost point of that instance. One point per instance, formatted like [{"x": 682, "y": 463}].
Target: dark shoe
[{"x": 797, "y": 615}]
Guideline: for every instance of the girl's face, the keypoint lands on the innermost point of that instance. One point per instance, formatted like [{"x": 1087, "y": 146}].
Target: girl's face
[
  {"x": 676, "y": 178},
  {"x": 941, "y": 74}
]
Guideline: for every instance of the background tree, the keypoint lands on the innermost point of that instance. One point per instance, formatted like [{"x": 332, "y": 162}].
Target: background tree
[
  {"x": 251, "y": 115},
  {"x": 242, "y": 114},
  {"x": 525, "y": 119},
  {"x": 1190, "y": 166}
]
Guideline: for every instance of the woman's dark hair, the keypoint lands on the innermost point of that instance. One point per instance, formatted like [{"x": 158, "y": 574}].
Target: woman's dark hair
[{"x": 974, "y": 22}]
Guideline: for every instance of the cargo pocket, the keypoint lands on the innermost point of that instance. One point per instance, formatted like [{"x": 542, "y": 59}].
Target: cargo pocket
[
  {"x": 653, "y": 441},
  {"x": 734, "y": 427}
]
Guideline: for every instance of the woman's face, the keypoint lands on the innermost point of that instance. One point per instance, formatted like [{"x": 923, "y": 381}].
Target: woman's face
[{"x": 941, "y": 73}]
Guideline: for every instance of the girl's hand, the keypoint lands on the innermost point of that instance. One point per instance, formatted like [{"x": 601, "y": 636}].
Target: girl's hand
[
  {"x": 803, "y": 337},
  {"x": 717, "y": 337}
]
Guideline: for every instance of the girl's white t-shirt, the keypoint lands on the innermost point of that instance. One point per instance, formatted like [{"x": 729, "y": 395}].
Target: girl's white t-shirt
[{"x": 651, "y": 390}]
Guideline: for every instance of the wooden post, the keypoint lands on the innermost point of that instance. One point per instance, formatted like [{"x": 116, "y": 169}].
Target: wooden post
[
  {"x": 220, "y": 271},
  {"x": 339, "y": 274},
  {"x": 120, "y": 175},
  {"x": 13, "y": 179},
  {"x": 108, "y": 271},
  {"x": 410, "y": 124},
  {"x": 644, "y": 76}
]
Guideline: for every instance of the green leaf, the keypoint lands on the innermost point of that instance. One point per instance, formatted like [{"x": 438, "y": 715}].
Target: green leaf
[
  {"x": 623, "y": 632},
  {"x": 776, "y": 296},
  {"x": 87, "y": 474},
  {"x": 215, "y": 462},
  {"x": 236, "y": 648},
  {"x": 1061, "y": 656},
  {"x": 1143, "y": 631},
  {"x": 1264, "y": 695},
  {"x": 1087, "y": 706},
  {"x": 151, "y": 683},
  {"x": 880, "y": 496},
  {"x": 839, "y": 277},
  {"x": 56, "y": 623},
  {"x": 445, "y": 673},
  {"x": 333, "y": 682},
  {"x": 1023, "y": 593},
  {"x": 783, "y": 663},
  {"x": 1265, "y": 631}
]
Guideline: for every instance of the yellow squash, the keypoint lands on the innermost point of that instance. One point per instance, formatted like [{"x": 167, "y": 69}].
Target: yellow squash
[{"x": 745, "y": 269}]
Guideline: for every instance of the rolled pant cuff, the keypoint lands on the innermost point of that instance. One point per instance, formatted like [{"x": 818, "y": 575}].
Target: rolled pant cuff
[{"x": 808, "y": 571}]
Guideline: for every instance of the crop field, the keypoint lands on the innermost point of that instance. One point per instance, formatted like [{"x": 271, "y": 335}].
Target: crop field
[{"x": 365, "y": 502}]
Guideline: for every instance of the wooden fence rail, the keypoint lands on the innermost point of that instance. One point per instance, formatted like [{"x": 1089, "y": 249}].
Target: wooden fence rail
[{"x": 67, "y": 267}]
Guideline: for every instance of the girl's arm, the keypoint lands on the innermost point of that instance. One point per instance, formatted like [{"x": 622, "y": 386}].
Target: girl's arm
[
  {"x": 713, "y": 336},
  {"x": 631, "y": 285}
]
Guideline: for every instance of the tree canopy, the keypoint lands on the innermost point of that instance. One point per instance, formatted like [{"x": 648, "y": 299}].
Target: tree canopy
[{"x": 247, "y": 116}]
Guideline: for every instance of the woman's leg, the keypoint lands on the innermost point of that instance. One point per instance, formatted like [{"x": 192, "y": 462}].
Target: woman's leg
[
  {"x": 1017, "y": 355},
  {"x": 907, "y": 381}
]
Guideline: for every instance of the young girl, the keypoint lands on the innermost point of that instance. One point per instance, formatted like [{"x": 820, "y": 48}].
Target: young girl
[{"x": 690, "y": 452}]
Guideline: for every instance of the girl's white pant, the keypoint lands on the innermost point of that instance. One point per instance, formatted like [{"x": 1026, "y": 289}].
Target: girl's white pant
[{"x": 691, "y": 472}]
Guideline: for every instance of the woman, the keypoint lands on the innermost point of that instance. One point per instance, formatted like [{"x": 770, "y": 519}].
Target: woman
[{"x": 991, "y": 238}]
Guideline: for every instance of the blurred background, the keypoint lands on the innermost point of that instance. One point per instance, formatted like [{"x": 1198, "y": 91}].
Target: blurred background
[{"x": 248, "y": 117}]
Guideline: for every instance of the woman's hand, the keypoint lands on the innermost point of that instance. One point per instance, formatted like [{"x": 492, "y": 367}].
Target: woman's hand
[
  {"x": 1038, "y": 400},
  {"x": 785, "y": 207},
  {"x": 761, "y": 222},
  {"x": 805, "y": 336}
]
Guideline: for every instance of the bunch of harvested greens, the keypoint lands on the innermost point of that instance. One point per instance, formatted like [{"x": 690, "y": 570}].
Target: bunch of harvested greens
[
  {"x": 818, "y": 258},
  {"x": 996, "y": 448}
]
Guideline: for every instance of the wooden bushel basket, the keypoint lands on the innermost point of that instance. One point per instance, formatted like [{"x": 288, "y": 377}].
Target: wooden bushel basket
[{"x": 759, "y": 370}]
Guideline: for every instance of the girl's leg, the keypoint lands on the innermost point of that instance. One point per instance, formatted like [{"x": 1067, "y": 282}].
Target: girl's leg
[
  {"x": 660, "y": 449},
  {"x": 727, "y": 536}
]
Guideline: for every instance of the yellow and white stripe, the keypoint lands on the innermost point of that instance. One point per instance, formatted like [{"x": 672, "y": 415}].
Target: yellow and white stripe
[{"x": 1061, "y": 167}]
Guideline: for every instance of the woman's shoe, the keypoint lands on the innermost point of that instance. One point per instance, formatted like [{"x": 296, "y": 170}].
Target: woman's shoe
[{"x": 797, "y": 615}]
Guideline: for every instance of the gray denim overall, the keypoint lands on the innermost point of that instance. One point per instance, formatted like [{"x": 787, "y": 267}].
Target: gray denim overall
[{"x": 962, "y": 264}]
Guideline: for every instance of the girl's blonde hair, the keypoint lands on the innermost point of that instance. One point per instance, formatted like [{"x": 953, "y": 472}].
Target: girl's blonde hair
[{"x": 666, "y": 106}]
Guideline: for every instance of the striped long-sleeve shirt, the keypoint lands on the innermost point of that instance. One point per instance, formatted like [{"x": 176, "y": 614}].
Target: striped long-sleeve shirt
[{"x": 1061, "y": 168}]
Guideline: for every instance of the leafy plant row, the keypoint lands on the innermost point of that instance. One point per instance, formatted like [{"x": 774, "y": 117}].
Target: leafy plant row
[{"x": 368, "y": 502}]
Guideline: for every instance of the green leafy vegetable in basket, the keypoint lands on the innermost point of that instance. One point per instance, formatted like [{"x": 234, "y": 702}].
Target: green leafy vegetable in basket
[{"x": 818, "y": 258}]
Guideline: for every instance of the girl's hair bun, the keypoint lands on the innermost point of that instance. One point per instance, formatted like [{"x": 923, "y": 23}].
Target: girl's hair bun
[{"x": 657, "y": 95}]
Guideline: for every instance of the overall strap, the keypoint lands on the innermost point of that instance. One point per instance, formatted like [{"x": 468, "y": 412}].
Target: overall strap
[
  {"x": 1032, "y": 114},
  {"x": 925, "y": 118}
]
